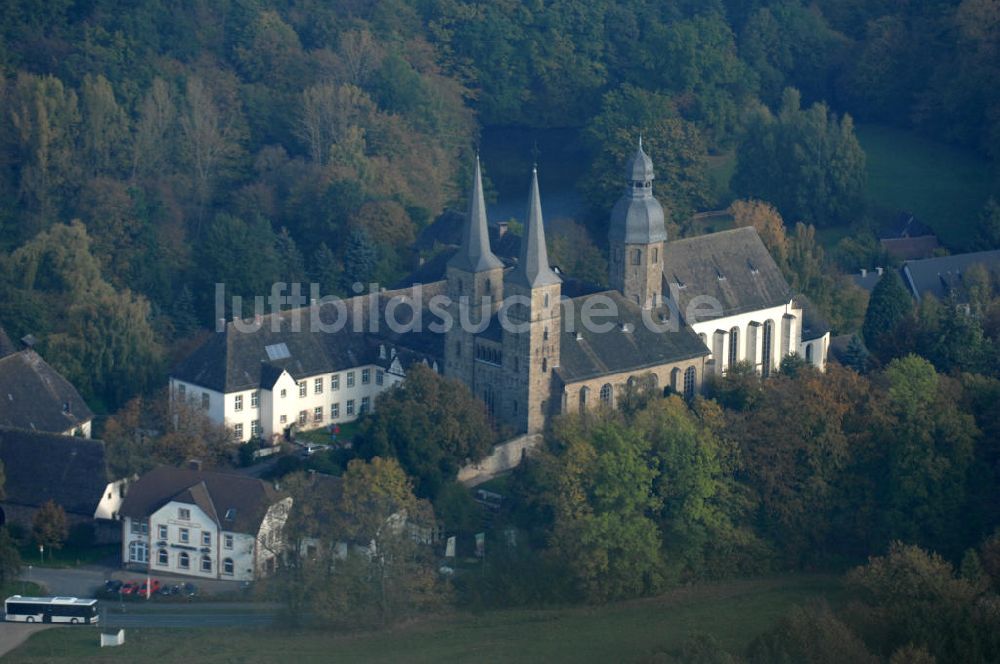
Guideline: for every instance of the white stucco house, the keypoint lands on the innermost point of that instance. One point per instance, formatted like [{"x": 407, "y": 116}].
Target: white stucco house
[
  {"x": 261, "y": 383},
  {"x": 203, "y": 524}
]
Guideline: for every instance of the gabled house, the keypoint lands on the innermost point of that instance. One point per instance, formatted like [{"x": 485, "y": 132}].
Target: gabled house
[
  {"x": 35, "y": 397},
  {"x": 69, "y": 470},
  {"x": 203, "y": 524},
  {"x": 262, "y": 383}
]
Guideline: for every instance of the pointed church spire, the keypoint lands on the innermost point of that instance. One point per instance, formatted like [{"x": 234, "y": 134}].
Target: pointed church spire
[
  {"x": 533, "y": 266},
  {"x": 475, "y": 255}
]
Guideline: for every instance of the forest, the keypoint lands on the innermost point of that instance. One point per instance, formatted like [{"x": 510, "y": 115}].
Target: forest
[{"x": 150, "y": 150}]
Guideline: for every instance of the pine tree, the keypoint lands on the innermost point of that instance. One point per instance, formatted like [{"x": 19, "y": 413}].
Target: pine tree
[
  {"x": 360, "y": 259},
  {"x": 325, "y": 270},
  {"x": 857, "y": 356},
  {"x": 889, "y": 304}
]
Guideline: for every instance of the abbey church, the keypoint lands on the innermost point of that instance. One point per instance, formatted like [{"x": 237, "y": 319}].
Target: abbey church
[
  {"x": 733, "y": 304},
  {"x": 529, "y": 340}
]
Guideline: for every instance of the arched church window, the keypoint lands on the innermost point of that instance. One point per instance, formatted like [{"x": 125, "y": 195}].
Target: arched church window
[
  {"x": 546, "y": 301},
  {"x": 809, "y": 353},
  {"x": 584, "y": 397},
  {"x": 637, "y": 257},
  {"x": 606, "y": 394},
  {"x": 675, "y": 380},
  {"x": 734, "y": 346},
  {"x": 689, "y": 377},
  {"x": 767, "y": 347},
  {"x": 545, "y": 334},
  {"x": 656, "y": 254},
  {"x": 545, "y": 365}
]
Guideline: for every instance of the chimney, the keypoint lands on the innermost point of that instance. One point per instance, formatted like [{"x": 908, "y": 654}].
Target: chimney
[
  {"x": 878, "y": 270},
  {"x": 864, "y": 273},
  {"x": 194, "y": 464},
  {"x": 220, "y": 325},
  {"x": 502, "y": 229}
]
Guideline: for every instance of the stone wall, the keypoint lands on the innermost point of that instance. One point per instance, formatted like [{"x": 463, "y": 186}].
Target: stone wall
[{"x": 505, "y": 456}]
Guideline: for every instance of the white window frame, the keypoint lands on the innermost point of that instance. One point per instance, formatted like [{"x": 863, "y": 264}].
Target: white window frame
[
  {"x": 318, "y": 386},
  {"x": 238, "y": 403}
]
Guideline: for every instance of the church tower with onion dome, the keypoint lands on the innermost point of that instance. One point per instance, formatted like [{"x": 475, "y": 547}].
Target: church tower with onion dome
[{"x": 636, "y": 236}]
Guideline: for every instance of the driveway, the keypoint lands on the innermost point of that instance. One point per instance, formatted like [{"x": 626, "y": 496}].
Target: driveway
[
  {"x": 84, "y": 581},
  {"x": 69, "y": 582}
]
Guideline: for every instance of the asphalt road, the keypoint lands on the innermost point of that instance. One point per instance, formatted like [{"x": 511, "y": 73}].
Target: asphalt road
[{"x": 73, "y": 582}]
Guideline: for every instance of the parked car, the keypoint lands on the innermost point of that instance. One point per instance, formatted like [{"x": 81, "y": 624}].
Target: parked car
[
  {"x": 313, "y": 448},
  {"x": 128, "y": 588},
  {"x": 190, "y": 589},
  {"x": 154, "y": 586},
  {"x": 112, "y": 586}
]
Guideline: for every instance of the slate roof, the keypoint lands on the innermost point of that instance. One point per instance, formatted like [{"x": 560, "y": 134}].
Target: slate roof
[
  {"x": 910, "y": 248},
  {"x": 233, "y": 361},
  {"x": 533, "y": 269},
  {"x": 69, "y": 470},
  {"x": 615, "y": 351},
  {"x": 35, "y": 396},
  {"x": 905, "y": 225},
  {"x": 214, "y": 492},
  {"x": 474, "y": 254},
  {"x": 814, "y": 325},
  {"x": 732, "y": 266},
  {"x": 942, "y": 275}
]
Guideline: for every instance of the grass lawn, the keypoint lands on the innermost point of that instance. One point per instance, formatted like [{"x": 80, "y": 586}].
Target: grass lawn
[
  {"x": 733, "y": 612},
  {"x": 720, "y": 169},
  {"x": 945, "y": 186},
  {"x": 321, "y": 435},
  {"x": 26, "y": 588}
]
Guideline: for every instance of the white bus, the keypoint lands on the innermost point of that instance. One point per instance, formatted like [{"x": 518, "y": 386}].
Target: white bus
[{"x": 51, "y": 610}]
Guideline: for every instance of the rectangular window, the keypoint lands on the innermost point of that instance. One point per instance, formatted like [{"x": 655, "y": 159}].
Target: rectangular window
[
  {"x": 255, "y": 399},
  {"x": 238, "y": 403},
  {"x": 181, "y": 390},
  {"x": 206, "y": 564},
  {"x": 302, "y": 388},
  {"x": 206, "y": 400},
  {"x": 303, "y": 416},
  {"x": 255, "y": 428},
  {"x": 350, "y": 379},
  {"x": 350, "y": 407},
  {"x": 366, "y": 376},
  {"x": 161, "y": 532},
  {"x": 318, "y": 414},
  {"x": 364, "y": 405},
  {"x": 334, "y": 411},
  {"x": 284, "y": 393},
  {"x": 206, "y": 538},
  {"x": 185, "y": 535},
  {"x": 379, "y": 376},
  {"x": 227, "y": 541},
  {"x": 162, "y": 558},
  {"x": 335, "y": 382},
  {"x": 284, "y": 419},
  {"x": 139, "y": 527},
  {"x": 238, "y": 431},
  {"x": 184, "y": 514},
  {"x": 318, "y": 386}
]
